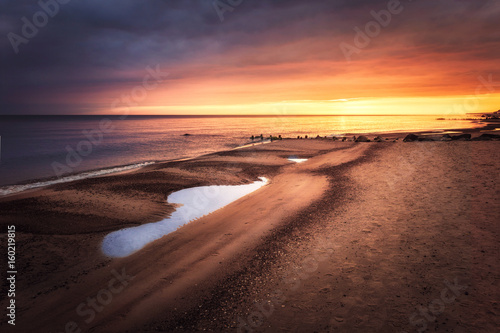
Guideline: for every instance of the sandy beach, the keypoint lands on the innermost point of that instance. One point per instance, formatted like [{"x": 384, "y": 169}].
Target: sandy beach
[
  {"x": 250, "y": 166},
  {"x": 362, "y": 237}
]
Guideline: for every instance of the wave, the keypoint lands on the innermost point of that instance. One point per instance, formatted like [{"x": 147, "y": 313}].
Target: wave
[{"x": 7, "y": 190}]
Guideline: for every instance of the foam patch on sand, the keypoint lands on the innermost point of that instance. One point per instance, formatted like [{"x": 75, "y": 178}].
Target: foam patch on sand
[
  {"x": 296, "y": 159},
  {"x": 196, "y": 202}
]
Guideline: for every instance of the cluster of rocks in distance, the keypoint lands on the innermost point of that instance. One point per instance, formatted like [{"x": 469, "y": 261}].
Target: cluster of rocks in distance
[
  {"x": 361, "y": 138},
  {"x": 431, "y": 137},
  {"x": 447, "y": 137},
  {"x": 409, "y": 138}
]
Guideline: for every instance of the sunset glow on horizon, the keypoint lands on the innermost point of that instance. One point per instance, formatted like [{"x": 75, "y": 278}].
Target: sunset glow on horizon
[{"x": 280, "y": 58}]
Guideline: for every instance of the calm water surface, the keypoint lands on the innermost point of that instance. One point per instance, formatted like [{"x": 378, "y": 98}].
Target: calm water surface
[{"x": 35, "y": 147}]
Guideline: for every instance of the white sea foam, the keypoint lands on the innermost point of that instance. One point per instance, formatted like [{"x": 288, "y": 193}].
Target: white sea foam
[
  {"x": 196, "y": 202},
  {"x": 296, "y": 159},
  {"x": 6, "y": 190}
]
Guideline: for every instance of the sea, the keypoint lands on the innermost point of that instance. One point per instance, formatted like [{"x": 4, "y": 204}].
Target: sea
[{"x": 41, "y": 150}]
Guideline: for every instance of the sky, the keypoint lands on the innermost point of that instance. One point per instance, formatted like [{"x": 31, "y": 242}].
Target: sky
[{"x": 279, "y": 57}]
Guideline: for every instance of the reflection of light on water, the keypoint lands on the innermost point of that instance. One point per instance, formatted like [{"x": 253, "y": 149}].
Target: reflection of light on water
[
  {"x": 296, "y": 159},
  {"x": 451, "y": 132},
  {"x": 195, "y": 202},
  {"x": 253, "y": 144},
  {"x": 441, "y": 132}
]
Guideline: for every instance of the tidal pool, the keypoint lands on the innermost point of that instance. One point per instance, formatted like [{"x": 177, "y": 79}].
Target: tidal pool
[
  {"x": 296, "y": 159},
  {"x": 195, "y": 202}
]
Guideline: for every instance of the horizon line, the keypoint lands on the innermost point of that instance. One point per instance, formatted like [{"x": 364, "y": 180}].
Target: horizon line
[{"x": 232, "y": 115}]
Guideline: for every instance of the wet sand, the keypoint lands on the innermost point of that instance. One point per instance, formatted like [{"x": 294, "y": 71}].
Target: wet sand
[{"x": 358, "y": 238}]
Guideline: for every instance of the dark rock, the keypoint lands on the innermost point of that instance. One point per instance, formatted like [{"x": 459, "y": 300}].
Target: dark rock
[
  {"x": 410, "y": 138},
  {"x": 429, "y": 138},
  {"x": 187, "y": 134},
  {"x": 461, "y": 137},
  {"x": 487, "y": 137},
  {"x": 378, "y": 139},
  {"x": 446, "y": 137},
  {"x": 362, "y": 138}
]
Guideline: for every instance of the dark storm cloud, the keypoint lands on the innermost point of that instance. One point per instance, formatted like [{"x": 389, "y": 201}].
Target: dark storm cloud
[{"x": 104, "y": 43}]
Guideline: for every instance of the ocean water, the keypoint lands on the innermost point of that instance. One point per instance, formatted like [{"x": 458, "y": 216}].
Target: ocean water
[{"x": 35, "y": 148}]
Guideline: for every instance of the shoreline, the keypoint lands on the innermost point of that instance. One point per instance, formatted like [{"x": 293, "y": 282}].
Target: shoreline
[
  {"x": 101, "y": 172},
  {"x": 28, "y": 185}
]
